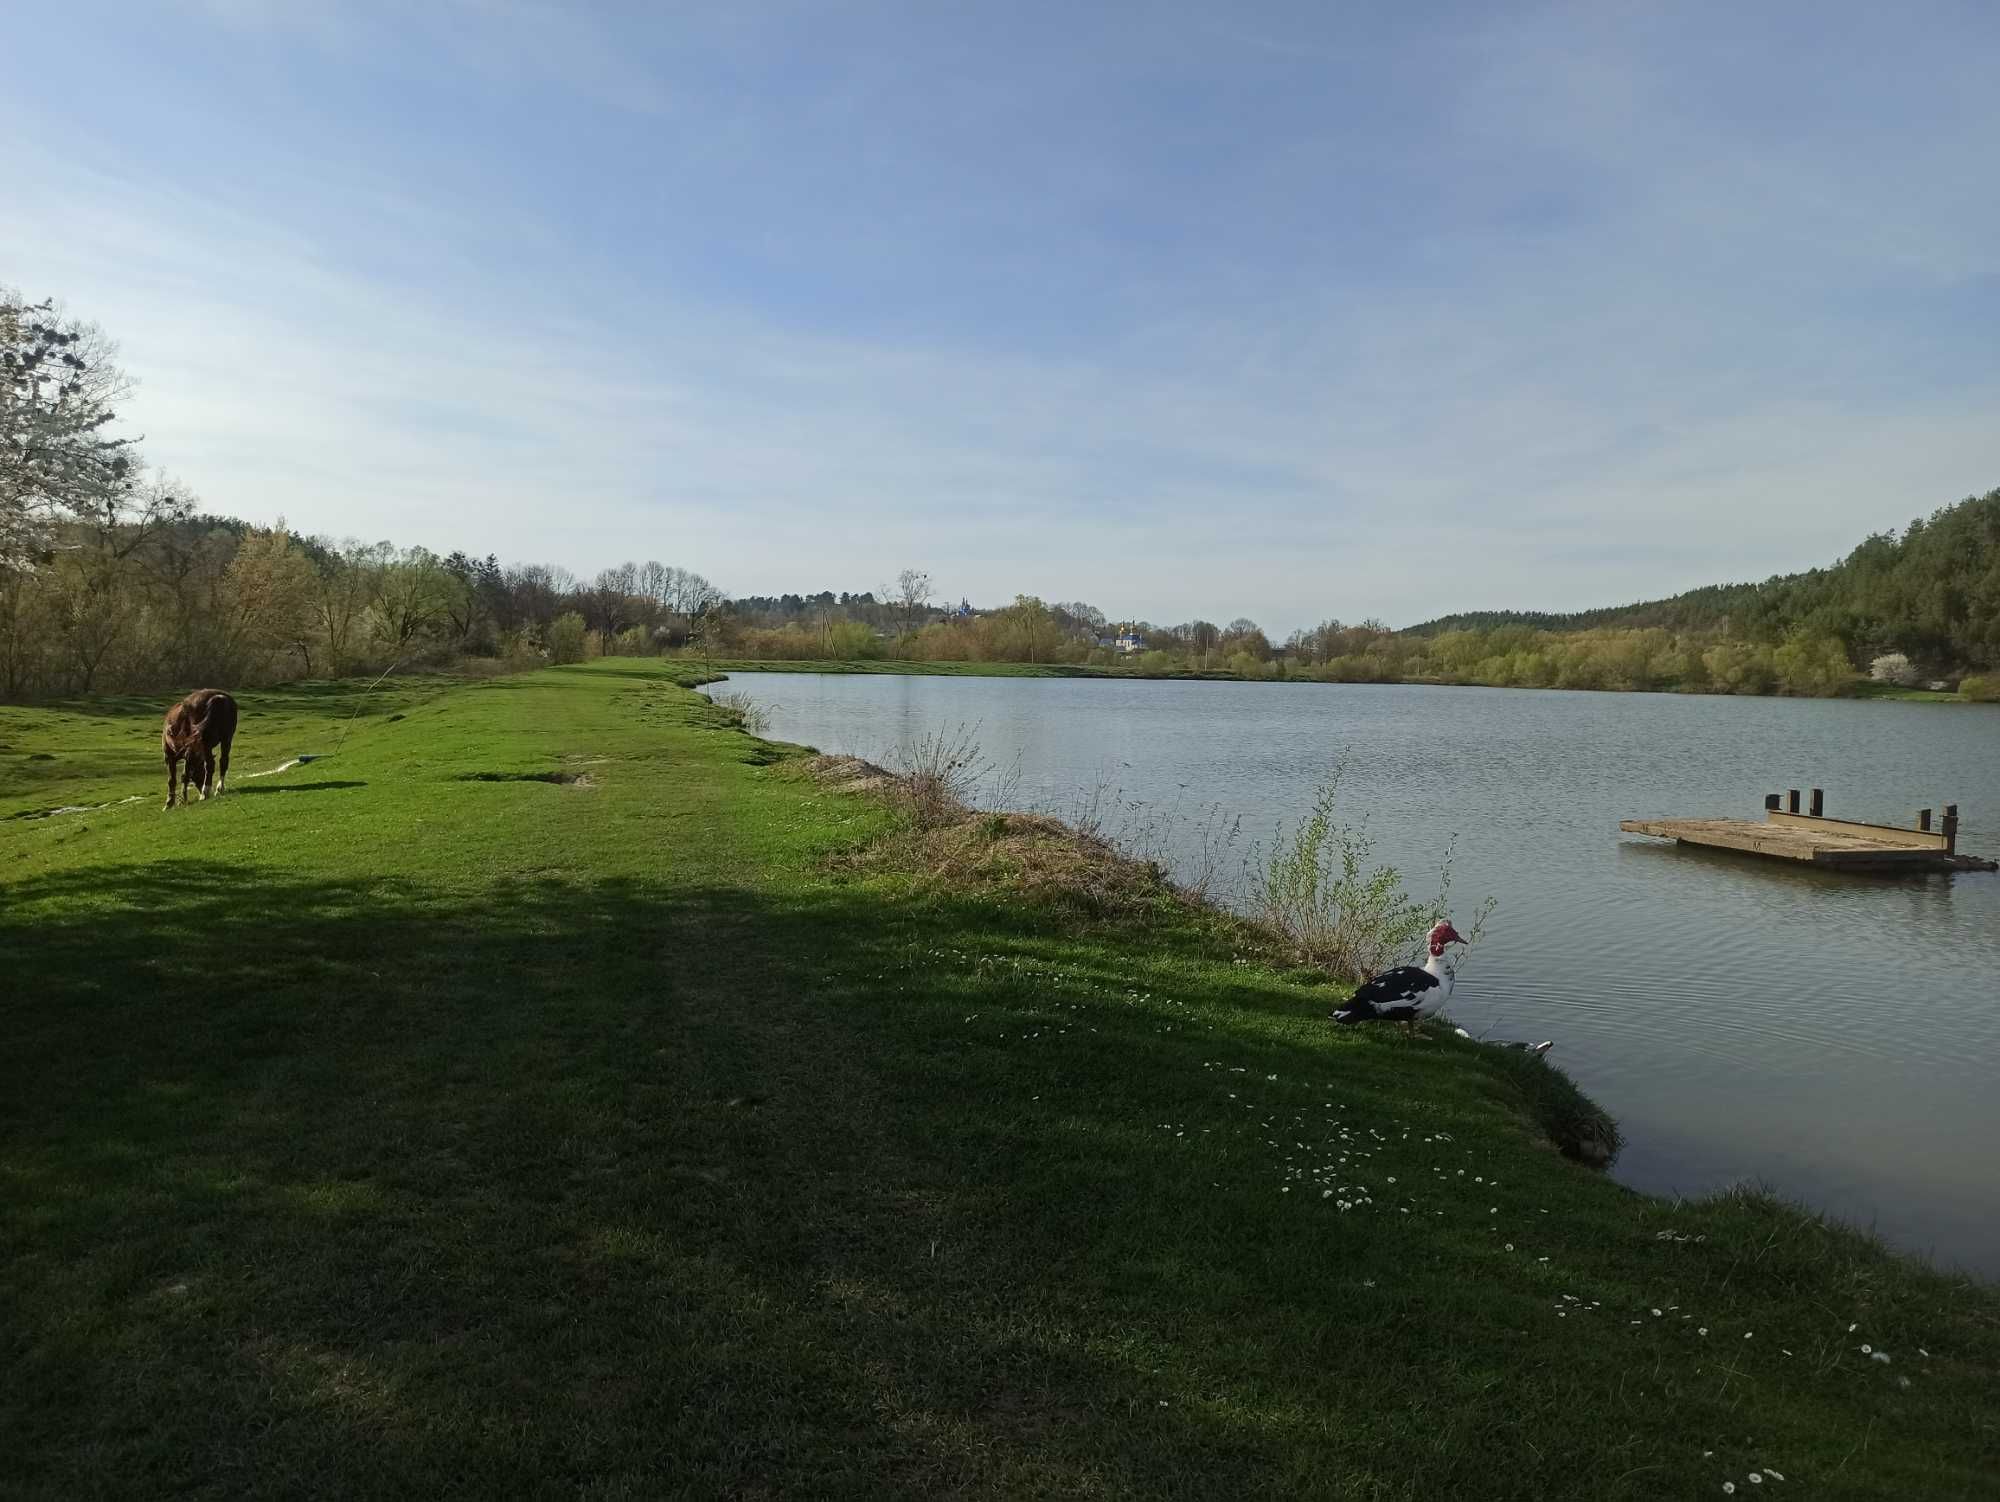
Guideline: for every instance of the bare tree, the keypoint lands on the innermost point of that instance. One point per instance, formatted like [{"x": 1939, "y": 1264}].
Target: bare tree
[
  {"x": 689, "y": 594},
  {"x": 1245, "y": 635},
  {"x": 1200, "y": 636},
  {"x": 1082, "y": 619},
  {"x": 536, "y": 593},
  {"x": 612, "y": 601},
  {"x": 653, "y": 582},
  {"x": 911, "y": 594}
]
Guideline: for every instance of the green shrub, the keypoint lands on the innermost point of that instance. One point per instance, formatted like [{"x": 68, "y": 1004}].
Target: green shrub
[
  {"x": 1981, "y": 688},
  {"x": 748, "y": 715},
  {"x": 1321, "y": 897},
  {"x": 566, "y": 638},
  {"x": 850, "y": 641}
]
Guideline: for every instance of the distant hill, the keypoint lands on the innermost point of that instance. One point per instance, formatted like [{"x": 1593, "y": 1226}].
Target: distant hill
[{"x": 1932, "y": 591}]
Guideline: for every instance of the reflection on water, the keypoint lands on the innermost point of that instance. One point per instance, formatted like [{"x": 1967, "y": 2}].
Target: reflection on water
[{"x": 1833, "y": 1037}]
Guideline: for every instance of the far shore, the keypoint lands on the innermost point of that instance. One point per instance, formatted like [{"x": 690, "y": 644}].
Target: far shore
[{"x": 894, "y": 666}]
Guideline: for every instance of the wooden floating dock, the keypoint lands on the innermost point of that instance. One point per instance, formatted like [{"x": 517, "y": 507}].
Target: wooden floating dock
[{"x": 1834, "y": 844}]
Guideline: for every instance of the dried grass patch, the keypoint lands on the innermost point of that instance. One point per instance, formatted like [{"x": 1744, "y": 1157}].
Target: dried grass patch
[
  {"x": 1029, "y": 854},
  {"x": 846, "y": 774}
]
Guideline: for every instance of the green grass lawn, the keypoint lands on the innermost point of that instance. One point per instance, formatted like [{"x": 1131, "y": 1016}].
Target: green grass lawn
[{"x": 536, "y": 1096}]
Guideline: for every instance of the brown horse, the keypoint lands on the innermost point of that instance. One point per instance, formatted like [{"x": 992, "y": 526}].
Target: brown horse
[{"x": 196, "y": 727}]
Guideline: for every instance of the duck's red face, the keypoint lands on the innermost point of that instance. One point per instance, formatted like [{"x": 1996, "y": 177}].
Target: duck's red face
[{"x": 1443, "y": 934}]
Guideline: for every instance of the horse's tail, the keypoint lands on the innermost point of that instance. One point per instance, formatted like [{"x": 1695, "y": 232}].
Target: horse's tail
[{"x": 218, "y": 722}]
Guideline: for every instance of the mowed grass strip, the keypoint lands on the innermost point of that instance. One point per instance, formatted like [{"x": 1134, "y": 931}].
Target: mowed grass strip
[{"x": 532, "y": 1098}]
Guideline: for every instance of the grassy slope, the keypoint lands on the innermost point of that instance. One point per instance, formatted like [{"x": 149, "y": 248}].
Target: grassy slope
[{"x": 407, "y": 1126}]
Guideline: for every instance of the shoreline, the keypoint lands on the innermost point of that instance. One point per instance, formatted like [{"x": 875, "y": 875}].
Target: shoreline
[
  {"x": 1910, "y": 1244},
  {"x": 898, "y": 667}
]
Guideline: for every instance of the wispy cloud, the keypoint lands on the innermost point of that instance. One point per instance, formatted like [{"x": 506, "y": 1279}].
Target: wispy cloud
[{"x": 1549, "y": 311}]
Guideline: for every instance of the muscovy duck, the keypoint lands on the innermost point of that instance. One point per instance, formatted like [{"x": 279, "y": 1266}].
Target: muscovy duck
[{"x": 1409, "y": 993}]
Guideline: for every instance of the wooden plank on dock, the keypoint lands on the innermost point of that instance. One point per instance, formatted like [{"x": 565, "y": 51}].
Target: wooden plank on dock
[
  {"x": 1918, "y": 837},
  {"x": 1828, "y": 843}
]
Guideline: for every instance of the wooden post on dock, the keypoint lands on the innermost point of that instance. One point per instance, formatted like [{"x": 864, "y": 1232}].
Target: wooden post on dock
[
  {"x": 1924, "y": 820},
  {"x": 1771, "y": 802},
  {"x": 1818, "y": 809},
  {"x": 1792, "y": 801},
  {"x": 1951, "y": 828}
]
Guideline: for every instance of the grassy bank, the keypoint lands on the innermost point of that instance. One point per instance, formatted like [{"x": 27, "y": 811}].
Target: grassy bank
[
  {"x": 1868, "y": 690},
  {"x": 558, "y": 1090}
]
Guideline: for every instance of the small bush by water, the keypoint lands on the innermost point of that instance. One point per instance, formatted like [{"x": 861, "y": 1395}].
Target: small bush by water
[
  {"x": 748, "y": 713},
  {"x": 936, "y": 773},
  {"x": 1321, "y": 895}
]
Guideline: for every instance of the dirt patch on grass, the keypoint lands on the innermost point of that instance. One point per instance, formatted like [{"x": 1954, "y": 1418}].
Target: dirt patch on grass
[
  {"x": 75, "y": 808},
  {"x": 560, "y": 779}
]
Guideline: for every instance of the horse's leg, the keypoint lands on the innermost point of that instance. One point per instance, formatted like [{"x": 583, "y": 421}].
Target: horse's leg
[
  {"x": 222, "y": 776},
  {"x": 170, "y": 781}
]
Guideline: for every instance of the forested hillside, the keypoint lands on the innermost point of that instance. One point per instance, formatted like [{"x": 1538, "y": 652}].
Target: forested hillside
[{"x": 1931, "y": 593}]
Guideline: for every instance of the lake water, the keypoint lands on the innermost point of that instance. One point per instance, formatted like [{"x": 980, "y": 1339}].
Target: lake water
[{"x": 1835, "y": 1038}]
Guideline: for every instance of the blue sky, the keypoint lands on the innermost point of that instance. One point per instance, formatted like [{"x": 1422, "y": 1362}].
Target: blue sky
[{"x": 1289, "y": 311}]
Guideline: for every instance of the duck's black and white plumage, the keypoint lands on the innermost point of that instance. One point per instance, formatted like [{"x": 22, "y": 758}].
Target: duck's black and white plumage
[{"x": 1409, "y": 993}]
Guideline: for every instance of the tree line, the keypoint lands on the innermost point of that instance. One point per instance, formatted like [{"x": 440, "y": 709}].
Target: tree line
[
  {"x": 113, "y": 579},
  {"x": 1910, "y": 609}
]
